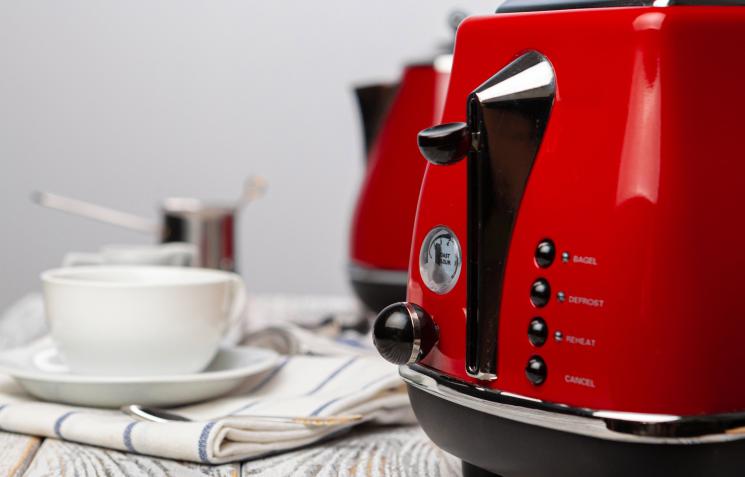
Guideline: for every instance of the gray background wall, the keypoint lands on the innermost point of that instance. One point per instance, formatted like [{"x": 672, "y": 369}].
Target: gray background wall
[{"x": 125, "y": 102}]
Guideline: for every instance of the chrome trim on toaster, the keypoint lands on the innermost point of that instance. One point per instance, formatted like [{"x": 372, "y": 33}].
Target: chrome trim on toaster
[
  {"x": 610, "y": 425},
  {"x": 507, "y": 117},
  {"x": 483, "y": 376},
  {"x": 530, "y": 80},
  {"x": 517, "y": 6},
  {"x": 377, "y": 275},
  {"x": 416, "y": 345}
]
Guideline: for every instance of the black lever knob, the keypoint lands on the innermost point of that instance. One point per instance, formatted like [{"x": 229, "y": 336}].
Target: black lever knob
[
  {"x": 445, "y": 144},
  {"x": 404, "y": 333}
]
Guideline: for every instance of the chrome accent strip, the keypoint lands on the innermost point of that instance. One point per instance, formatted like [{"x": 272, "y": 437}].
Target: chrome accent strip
[
  {"x": 416, "y": 345},
  {"x": 377, "y": 275},
  {"x": 533, "y": 78},
  {"x": 518, "y": 97},
  {"x": 522, "y": 6},
  {"x": 483, "y": 375},
  {"x": 609, "y": 425},
  {"x": 635, "y": 416}
]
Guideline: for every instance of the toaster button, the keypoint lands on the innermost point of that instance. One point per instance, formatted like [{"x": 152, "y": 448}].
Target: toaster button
[
  {"x": 540, "y": 292},
  {"x": 536, "y": 370},
  {"x": 545, "y": 253},
  {"x": 537, "y": 331}
]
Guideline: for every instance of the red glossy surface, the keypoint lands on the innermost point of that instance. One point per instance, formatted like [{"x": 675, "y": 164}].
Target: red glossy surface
[
  {"x": 641, "y": 171},
  {"x": 384, "y": 216}
]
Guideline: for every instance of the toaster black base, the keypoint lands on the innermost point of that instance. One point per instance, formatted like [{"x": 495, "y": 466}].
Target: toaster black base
[
  {"x": 470, "y": 470},
  {"x": 508, "y": 448}
]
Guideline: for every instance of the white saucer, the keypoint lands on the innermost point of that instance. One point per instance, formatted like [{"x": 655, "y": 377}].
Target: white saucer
[{"x": 40, "y": 370}]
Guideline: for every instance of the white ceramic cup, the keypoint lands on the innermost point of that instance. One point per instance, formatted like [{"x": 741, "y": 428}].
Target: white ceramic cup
[{"x": 140, "y": 320}]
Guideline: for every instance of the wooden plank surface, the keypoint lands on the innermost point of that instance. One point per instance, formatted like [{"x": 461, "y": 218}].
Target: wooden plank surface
[
  {"x": 371, "y": 452},
  {"x": 58, "y": 458},
  {"x": 16, "y": 453},
  {"x": 367, "y": 452}
]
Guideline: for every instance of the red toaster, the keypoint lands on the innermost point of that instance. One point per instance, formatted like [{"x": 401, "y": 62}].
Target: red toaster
[{"x": 576, "y": 252}]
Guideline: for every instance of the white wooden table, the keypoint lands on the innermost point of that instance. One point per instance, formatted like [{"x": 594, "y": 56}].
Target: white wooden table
[{"x": 393, "y": 452}]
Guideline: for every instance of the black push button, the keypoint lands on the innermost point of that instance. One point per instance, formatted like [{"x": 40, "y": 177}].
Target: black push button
[
  {"x": 545, "y": 253},
  {"x": 537, "y": 331},
  {"x": 536, "y": 370},
  {"x": 540, "y": 292}
]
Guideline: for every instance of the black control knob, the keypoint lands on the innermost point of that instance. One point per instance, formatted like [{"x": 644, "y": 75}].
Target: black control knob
[
  {"x": 537, "y": 331},
  {"x": 545, "y": 253},
  {"x": 536, "y": 370},
  {"x": 404, "y": 333},
  {"x": 445, "y": 144},
  {"x": 540, "y": 292}
]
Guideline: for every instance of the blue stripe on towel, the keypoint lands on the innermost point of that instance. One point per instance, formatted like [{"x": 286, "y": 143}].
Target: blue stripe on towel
[
  {"x": 245, "y": 407},
  {"x": 349, "y": 342},
  {"x": 203, "y": 442},
  {"x": 59, "y": 421},
  {"x": 2, "y": 406},
  {"x": 323, "y": 406},
  {"x": 269, "y": 376},
  {"x": 127, "y": 436},
  {"x": 332, "y": 375},
  {"x": 260, "y": 385}
]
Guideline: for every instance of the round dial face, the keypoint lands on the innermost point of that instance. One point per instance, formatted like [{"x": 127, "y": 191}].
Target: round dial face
[{"x": 439, "y": 260}]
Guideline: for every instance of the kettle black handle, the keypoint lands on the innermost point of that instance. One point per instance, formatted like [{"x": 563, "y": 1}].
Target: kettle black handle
[{"x": 445, "y": 144}]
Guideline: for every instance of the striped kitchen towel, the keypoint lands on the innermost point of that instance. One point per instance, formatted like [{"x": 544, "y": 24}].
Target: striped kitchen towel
[{"x": 231, "y": 428}]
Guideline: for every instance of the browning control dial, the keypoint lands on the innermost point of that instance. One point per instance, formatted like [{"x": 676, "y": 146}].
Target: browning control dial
[{"x": 440, "y": 260}]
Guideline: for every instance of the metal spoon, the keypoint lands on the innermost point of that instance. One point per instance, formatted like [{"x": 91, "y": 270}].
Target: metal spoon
[
  {"x": 96, "y": 212},
  {"x": 154, "y": 414},
  {"x": 254, "y": 188}
]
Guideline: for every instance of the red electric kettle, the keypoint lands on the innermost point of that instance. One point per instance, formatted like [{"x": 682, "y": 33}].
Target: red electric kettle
[{"x": 380, "y": 235}]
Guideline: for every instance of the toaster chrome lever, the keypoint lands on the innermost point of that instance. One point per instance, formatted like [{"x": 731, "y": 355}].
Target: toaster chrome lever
[
  {"x": 445, "y": 144},
  {"x": 404, "y": 333},
  {"x": 510, "y": 111}
]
